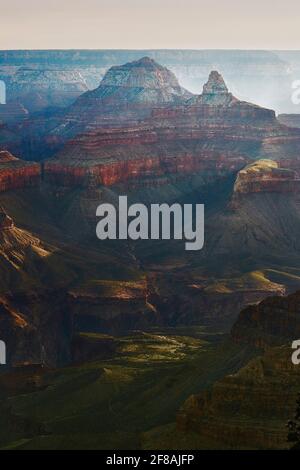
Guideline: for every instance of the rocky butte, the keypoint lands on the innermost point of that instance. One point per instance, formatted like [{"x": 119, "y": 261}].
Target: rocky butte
[
  {"x": 126, "y": 94},
  {"x": 266, "y": 176}
]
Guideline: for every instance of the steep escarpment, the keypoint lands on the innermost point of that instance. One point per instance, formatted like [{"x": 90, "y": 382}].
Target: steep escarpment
[{"x": 15, "y": 173}]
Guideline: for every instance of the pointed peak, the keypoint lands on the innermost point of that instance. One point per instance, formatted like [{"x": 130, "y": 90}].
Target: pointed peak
[
  {"x": 215, "y": 84},
  {"x": 215, "y": 92}
]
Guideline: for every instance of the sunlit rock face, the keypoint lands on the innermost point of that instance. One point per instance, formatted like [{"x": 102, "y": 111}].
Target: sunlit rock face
[{"x": 266, "y": 176}]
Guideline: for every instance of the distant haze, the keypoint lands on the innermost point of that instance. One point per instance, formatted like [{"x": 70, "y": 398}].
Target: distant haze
[{"x": 190, "y": 24}]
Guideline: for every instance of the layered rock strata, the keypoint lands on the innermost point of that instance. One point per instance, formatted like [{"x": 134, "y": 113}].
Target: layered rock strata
[{"x": 213, "y": 132}]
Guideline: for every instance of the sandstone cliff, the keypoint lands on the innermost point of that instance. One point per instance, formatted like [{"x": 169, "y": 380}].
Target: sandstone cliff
[{"x": 266, "y": 176}]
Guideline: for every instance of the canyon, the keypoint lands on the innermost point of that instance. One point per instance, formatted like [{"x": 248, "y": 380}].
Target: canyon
[{"x": 120, "y": 323}]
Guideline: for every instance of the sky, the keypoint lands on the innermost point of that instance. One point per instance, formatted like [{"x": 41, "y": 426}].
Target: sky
[{"x": 149, "y": 24}]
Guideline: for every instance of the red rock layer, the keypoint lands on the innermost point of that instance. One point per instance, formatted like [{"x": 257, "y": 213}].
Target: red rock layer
[
  {"x": 110, "y": 157},
  {"x": 112, "y": 173},
  {"x": 15, "y": 173}
]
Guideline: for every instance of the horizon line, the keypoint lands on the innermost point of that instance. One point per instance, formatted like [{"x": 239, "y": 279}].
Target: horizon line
[{"x": 151, "y": 49}]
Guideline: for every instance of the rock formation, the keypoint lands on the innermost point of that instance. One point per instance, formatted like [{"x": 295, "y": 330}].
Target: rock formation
[
  {"x": 126, "y": 94},
  {"x": 266, "y": 176},
  {"x": 215, "y": 92},
  {"x": 142, "y": 82}
]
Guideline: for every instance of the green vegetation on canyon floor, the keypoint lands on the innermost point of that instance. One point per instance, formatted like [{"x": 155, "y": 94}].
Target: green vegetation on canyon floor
[{"x": 115, "y": 403}]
